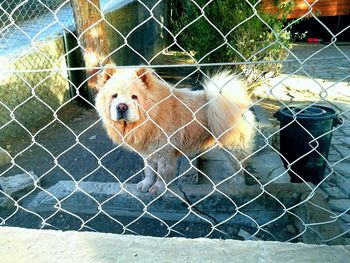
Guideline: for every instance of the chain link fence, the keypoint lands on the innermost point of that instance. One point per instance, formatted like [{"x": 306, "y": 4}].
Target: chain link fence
[{"x": 59, "y": 170}]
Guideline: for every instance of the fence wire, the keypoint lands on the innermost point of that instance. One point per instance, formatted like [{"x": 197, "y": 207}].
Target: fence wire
[{"x": 59, "y": 170}]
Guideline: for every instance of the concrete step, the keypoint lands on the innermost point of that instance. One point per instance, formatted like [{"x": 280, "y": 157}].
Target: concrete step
[{"x": 195, "y": 210}]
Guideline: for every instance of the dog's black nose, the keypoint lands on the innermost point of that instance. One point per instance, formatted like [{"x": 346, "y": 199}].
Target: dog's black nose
[{"x": 122, "y": 107}]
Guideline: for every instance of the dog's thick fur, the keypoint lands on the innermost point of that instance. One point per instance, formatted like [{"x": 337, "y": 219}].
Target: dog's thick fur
[{"x": 161, "y": 122}]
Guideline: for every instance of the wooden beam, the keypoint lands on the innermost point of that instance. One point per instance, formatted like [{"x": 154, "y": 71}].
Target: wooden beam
[{"x": 92, "y": 36}]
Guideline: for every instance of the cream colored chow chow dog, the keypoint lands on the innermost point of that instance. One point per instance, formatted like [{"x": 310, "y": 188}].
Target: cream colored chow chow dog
[{"x": 144, "y": 113}]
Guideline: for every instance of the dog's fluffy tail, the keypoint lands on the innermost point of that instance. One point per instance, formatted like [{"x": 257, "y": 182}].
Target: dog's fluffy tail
[{"x": 229, "y": 117}]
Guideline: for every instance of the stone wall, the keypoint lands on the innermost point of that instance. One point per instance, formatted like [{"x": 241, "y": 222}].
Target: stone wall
[{"x": 20, "y": 110}]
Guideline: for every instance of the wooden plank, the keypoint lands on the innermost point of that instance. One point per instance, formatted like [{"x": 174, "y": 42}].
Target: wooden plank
[{"x": 317, "y": 7}]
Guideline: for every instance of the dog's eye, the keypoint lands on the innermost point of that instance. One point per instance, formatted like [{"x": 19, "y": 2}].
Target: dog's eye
[
  {"x": 134, "y": 97},
  {"x": 114, "y": 96}
]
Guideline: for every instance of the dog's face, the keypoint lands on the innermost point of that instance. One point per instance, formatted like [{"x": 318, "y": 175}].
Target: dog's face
[
  {"x": 123, "y": 104},
  {"x": 122, "y": 96},
  {"x": 130, "y": 102}
]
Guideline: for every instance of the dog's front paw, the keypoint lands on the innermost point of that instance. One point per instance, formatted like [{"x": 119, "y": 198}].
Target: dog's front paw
[
  {"x": 145, "y": 185},
  {"x": 157, "y": 188}
]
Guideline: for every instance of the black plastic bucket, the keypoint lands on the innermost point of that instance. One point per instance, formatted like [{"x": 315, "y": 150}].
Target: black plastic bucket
[{"x": 300, "y": 126}]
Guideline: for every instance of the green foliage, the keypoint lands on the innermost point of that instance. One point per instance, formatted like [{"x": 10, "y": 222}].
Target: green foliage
[{"x": 231, "y": 31}]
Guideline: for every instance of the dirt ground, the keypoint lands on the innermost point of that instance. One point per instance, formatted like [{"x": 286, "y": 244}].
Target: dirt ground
[{"x": 57, "y": 143}]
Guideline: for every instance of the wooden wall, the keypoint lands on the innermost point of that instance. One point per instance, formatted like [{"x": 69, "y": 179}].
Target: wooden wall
[{"x": 319, "y": 7}]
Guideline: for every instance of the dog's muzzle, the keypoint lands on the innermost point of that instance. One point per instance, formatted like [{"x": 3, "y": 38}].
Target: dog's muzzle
[{"x": 122, "y": 109}]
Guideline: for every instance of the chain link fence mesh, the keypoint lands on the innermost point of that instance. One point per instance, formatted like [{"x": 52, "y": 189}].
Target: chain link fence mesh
[{"x": 58, "y": 169}]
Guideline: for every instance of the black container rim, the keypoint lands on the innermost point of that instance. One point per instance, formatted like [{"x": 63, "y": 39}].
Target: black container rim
[{"x": 307, "y": 112}]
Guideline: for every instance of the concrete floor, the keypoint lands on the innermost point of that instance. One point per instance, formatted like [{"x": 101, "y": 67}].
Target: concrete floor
[{"x": 20, "y": 245}]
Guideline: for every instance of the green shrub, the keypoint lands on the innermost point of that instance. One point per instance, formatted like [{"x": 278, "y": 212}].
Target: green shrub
[{"x": 230, "y": 31}]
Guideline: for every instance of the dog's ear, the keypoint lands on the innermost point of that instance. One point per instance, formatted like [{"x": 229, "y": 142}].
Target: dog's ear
[
  {"x": 98, "y": 78},
  {"x": 144, "y": 74},
  {"x": 107, "y": 73}
]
